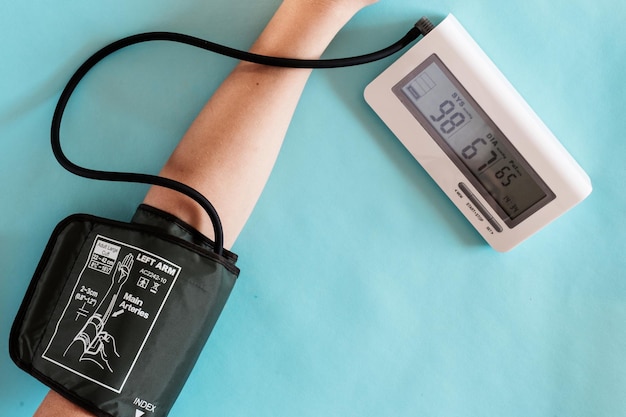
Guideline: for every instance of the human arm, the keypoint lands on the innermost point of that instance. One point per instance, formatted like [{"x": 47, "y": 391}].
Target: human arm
[{"x": 230, "y": 149}]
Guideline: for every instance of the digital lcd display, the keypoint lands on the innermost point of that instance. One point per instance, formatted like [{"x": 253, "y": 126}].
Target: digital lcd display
[{"x": 471, "y": 139}]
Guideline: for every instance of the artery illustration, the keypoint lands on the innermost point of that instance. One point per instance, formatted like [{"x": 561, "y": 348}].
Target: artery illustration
[{"x": 98, "y": 344}]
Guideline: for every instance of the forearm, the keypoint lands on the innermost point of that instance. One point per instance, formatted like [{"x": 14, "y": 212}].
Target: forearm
[{"x": 231, "y": 147}]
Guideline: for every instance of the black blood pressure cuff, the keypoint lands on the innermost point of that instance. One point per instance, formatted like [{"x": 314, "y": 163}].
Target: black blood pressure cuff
[{"x": 117, "y": 313}]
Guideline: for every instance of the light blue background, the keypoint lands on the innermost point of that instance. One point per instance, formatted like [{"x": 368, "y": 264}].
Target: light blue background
[{"x": 363, "y": 291}]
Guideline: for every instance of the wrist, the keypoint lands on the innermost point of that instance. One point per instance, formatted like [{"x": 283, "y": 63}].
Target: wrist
[
  {"x": 341, "y": 10},
  {"x": 304, "y": 28}
]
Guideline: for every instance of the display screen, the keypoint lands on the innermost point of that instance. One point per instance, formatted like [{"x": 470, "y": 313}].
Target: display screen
[{"x": 471, "y": 139}]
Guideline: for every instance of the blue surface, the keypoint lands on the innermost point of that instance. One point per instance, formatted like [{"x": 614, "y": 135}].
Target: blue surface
[{"x": 363, "y": 292}]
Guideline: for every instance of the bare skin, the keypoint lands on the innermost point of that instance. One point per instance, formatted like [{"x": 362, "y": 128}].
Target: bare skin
[
  {"x": 236, "y": 140},
  {"x": 231, "y": 147}
]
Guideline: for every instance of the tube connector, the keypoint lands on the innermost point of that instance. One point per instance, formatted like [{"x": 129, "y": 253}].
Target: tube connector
[{"x": 424, "y": 25}]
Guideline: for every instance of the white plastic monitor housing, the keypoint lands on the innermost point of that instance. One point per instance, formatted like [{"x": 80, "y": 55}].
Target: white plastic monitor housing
[{"x": 565, "y": 182}]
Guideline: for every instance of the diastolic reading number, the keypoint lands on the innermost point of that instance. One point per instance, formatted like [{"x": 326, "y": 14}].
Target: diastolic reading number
[{"x": 471, "y": 151}]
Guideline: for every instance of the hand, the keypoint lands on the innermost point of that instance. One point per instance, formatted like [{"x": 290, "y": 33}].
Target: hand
[
  {"x": 100, "y": 350},
  {"x": 123, "y": 269},
  {"x": 342, "y": 3},
  {"x": 336, "y": 7}
]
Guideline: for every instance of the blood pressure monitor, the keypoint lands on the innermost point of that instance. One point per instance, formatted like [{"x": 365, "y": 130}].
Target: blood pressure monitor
[{"x": 476, "y": 136}]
